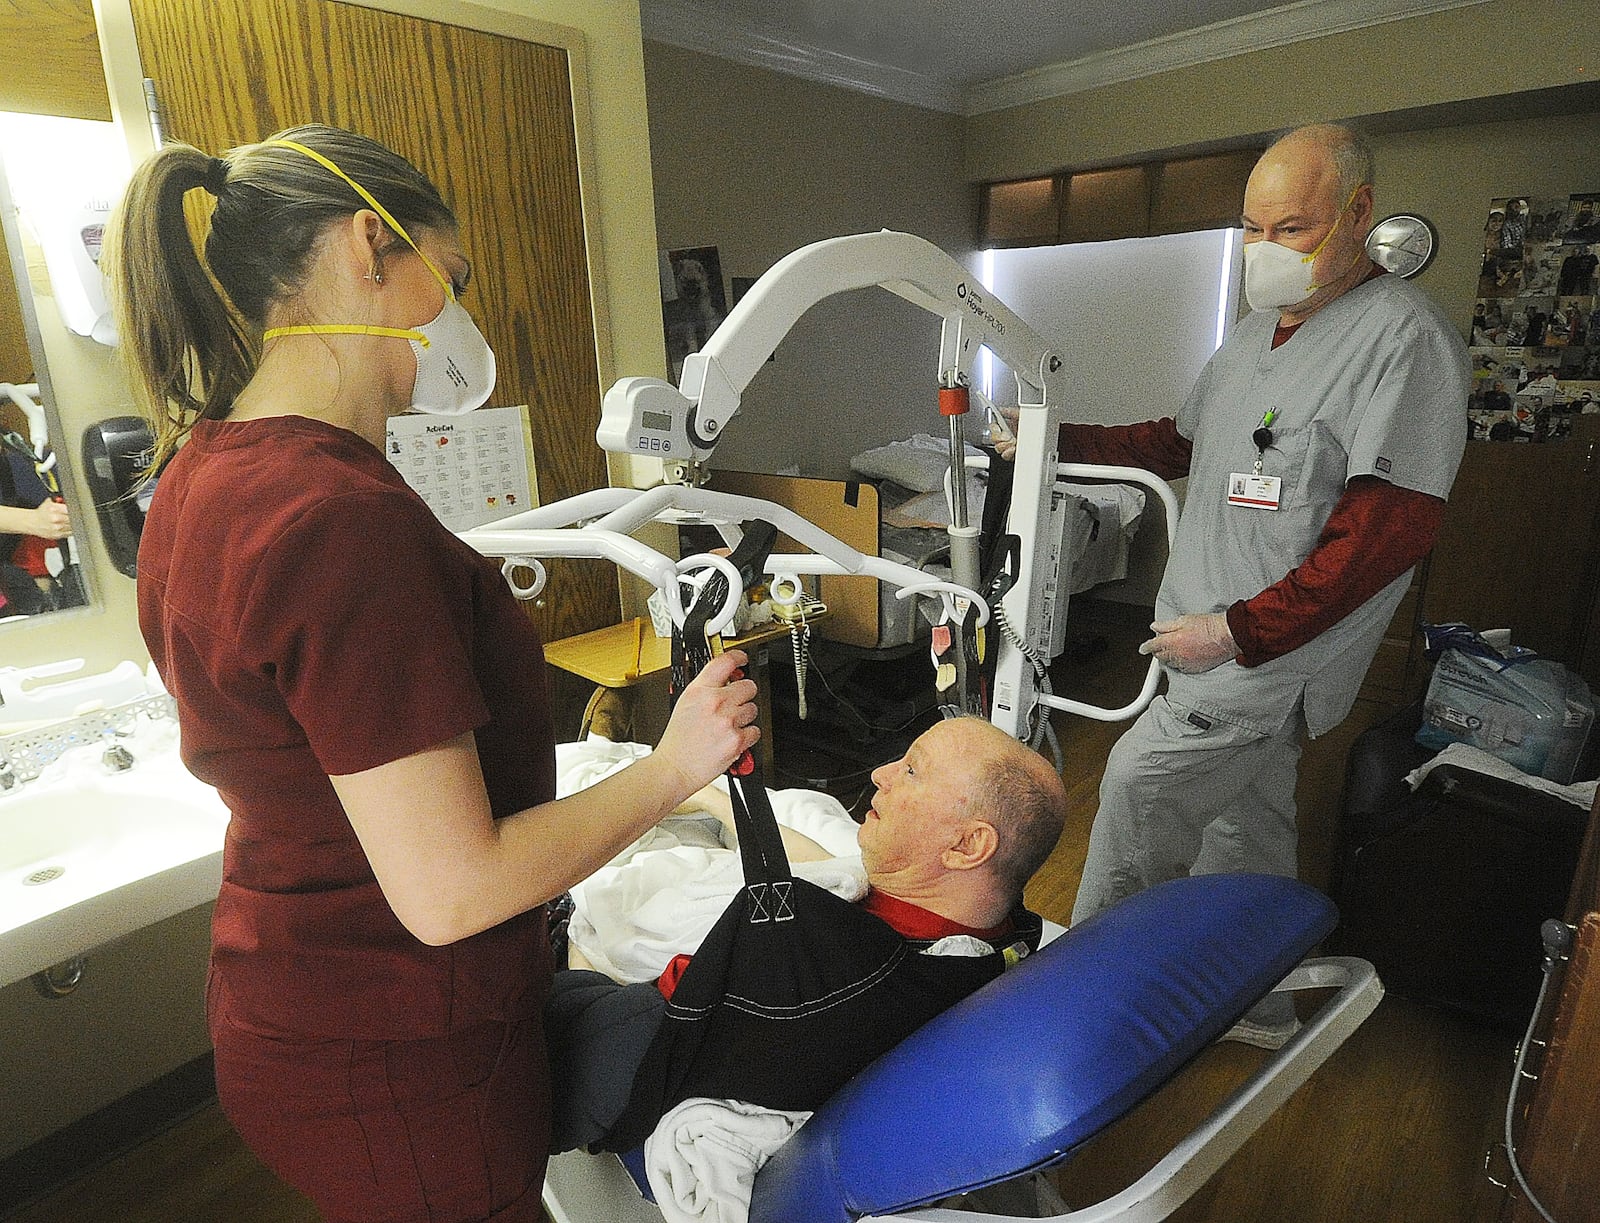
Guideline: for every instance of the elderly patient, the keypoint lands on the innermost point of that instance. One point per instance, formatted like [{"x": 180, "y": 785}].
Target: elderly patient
[{"x": 956, "y": 828}]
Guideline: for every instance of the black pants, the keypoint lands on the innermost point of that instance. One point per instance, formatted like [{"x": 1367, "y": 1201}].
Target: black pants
[{"x": 597, "y": 1032}]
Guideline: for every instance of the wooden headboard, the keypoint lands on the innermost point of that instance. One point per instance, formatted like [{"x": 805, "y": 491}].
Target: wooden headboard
[{"x": 847, "y": 510}]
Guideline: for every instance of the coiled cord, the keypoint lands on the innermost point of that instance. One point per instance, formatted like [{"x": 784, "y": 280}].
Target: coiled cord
[{"x": 1043, "y": 731}]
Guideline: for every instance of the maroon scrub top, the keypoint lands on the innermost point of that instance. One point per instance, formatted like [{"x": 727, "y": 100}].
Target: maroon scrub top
[{"x": 312, "y": 617}]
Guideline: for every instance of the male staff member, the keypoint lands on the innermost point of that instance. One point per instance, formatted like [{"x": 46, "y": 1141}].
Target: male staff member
[{"x": 1320, "y": 443}]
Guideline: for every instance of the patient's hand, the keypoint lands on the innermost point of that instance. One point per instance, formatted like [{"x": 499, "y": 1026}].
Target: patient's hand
[{"x": 714, "y": 801}]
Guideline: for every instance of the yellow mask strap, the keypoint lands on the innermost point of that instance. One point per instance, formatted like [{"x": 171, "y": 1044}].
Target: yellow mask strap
[
  {"x": 399, "y": 333},
  {"x": 378, "y": 208},
  {"x": 1312, "y": 257}
]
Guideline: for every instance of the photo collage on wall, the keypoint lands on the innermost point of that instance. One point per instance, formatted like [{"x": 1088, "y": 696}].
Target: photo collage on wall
[{"x": 1536, "y": 323}]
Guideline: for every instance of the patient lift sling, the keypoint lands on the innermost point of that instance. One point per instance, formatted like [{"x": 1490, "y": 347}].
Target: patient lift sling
[{"x": 794, "y": 989}]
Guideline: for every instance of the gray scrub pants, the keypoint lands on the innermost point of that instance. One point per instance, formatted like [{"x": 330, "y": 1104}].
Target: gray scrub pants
[{"x": 1188, "y": 794}]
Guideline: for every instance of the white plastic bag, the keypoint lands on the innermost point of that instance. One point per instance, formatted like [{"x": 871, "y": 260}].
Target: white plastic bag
[{"x": 1529, "y": 711}]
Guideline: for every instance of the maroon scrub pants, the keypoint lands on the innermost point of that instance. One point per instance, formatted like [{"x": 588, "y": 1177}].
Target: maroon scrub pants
[{"x": 441, "y": 1130}]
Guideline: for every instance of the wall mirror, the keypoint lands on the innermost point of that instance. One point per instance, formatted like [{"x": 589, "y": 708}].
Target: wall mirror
[{"x": 59, "y": 178}]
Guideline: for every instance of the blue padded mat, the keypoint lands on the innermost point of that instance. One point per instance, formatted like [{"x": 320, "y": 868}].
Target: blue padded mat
[{"x": 1039, "y": 1061}]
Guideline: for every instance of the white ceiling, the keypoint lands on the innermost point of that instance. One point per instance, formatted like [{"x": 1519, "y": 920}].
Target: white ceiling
[{"x": 971, "y": 56}]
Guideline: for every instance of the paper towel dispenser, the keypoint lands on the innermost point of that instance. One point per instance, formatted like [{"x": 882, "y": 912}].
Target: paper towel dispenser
[{"x": 115, "y": 453}]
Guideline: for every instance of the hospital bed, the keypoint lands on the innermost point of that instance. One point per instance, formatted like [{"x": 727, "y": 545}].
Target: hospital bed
[
  {"x": 1096, "y": 526},
  {"x": 1020, "y": 1075}
]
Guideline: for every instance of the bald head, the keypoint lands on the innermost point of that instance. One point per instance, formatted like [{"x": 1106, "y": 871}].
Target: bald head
[
  {"x": 1330, "y": 145},
  {"x": 1311, "y": 193},
  {"x": 1020, "y": 793},
  {"x": 962, "y": 820}
]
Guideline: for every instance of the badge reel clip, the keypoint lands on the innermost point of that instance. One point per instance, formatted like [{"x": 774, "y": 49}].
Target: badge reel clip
[{"x": 1254, "y": 490}]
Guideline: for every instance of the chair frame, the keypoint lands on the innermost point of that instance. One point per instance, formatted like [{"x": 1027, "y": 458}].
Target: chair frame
[{"x": 583, "y": 1188}]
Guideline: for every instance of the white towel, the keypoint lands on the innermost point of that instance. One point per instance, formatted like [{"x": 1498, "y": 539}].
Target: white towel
[
  {"x": 811, "y": 813},
  {"x": 703, "y": 1157},
  {"x": 1464, "y": 756},
  {"x": 661, "y": 894},
  {"x": 631, "y": 920}
]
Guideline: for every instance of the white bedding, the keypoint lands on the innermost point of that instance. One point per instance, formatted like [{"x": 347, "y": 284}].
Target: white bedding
[
  {"x": 1462, "y": 755},
  {"x": 1098, "y": 529},
  {"x": 665, "y": 891}
]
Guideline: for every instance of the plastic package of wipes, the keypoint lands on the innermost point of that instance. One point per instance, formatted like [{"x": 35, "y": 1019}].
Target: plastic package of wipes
[{"x": 1529, "y": 711}]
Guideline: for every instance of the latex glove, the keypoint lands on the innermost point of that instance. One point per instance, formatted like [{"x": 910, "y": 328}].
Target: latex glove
[
  {"x": 1192, "y": 644},
  {"x": 1006, "y": 447}
]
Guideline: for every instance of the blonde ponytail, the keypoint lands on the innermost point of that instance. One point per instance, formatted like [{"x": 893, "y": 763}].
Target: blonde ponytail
[
  {"x": 190, "y": 326},
  {"x": 188, "y": 354}
]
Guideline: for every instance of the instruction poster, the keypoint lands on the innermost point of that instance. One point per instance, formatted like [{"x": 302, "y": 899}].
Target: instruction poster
[{"x": 470, "y": 469}]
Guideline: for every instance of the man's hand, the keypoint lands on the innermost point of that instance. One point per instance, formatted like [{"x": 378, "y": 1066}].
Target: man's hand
[{"x": 1192, "y": 643}]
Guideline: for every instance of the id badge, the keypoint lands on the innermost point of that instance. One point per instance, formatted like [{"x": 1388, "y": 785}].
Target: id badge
[{"x": 1257, "y": 492}]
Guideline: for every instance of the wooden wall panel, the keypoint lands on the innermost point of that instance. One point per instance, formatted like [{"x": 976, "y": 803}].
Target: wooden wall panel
[
  {"x": 1520, "y": 544},
  {"x": 489, "y": 119},
  {"x": 52, "y": 59},
  {"x": 1105, "y": 205},
  {"x": 16, "y": 362},
  {"x": 1200, "y": 192}
]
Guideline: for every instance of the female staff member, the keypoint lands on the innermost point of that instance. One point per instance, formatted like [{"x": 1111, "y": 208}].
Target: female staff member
[
  {"x": 359, "y": 685},
  {"x": 30, "y": 519}
]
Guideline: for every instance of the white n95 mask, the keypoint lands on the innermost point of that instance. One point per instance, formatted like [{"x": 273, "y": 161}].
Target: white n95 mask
[
  {"x": 1276, "y": 276},
  {"x": 455, "y": 365}
]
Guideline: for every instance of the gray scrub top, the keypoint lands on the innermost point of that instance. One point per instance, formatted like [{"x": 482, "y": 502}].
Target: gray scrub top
[{"x": 1374, "y": 383}]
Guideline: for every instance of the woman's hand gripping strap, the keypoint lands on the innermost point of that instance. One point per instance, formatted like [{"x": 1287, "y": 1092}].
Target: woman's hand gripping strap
[{"x": 766, "y": 865}]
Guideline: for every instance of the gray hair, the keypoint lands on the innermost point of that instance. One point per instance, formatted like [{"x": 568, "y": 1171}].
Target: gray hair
[{"x": 1022, "y": 797}]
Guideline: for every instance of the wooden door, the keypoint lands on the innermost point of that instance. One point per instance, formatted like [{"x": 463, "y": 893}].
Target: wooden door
[
  {"x": 490, "y": 119},
  {"x": 1520, "y": 544}
]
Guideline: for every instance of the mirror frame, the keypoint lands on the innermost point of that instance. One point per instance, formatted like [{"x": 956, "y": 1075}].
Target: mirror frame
[{"x": 66, "y": 468}]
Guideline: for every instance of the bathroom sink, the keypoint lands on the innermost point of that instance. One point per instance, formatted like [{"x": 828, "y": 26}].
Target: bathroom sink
[{"x": 86, "y": 861}]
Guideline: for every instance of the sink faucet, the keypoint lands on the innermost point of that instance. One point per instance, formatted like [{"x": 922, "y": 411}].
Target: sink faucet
[
  {"x": 116, "y": 757},
  {"x": 8, "y": 777}
]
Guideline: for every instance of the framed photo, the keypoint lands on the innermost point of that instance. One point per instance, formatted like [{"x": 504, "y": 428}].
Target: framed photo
[
  {"x": 693, "y": 303},
  {"x": 1582, "y": 222}
]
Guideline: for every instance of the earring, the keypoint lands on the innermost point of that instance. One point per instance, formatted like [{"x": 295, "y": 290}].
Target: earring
[{"x": 376, "y": 276}]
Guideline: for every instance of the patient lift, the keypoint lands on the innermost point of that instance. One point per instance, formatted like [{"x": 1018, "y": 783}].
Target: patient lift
[
  {"x": 1077, "y": 1034},
  {"x": 647, "y": 416}
]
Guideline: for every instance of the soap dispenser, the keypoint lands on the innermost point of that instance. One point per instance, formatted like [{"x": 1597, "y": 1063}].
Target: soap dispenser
[{"x": 116, "y": 452}]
